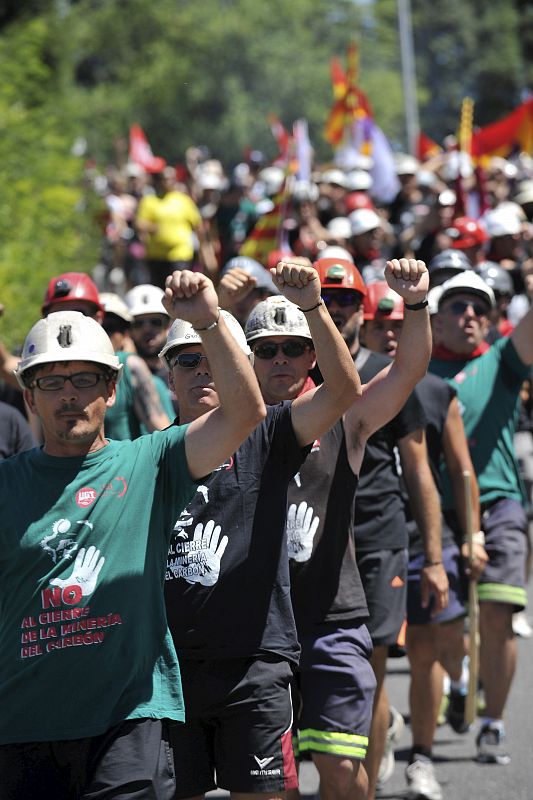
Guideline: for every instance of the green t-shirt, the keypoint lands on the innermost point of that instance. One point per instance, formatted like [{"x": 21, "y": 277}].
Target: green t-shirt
[
  {"x": 488, "y": 394},
  {"x": 83, "y": 546},
  {"x": 121, "y": 421}
]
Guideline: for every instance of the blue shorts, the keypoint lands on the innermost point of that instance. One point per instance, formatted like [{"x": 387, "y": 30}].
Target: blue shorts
[
  {"x": 416, "y": 615},
  {"x": 238, "y": 725},
  {"x": 384, "y": 577},
  {"x": 334, "y": 692},
  {"x": 506, "y": 530}
]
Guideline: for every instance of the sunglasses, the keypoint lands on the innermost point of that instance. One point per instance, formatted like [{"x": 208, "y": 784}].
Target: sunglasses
[
  {"x": 186, "y": 360},
  {"x": 458, "y": 307},
  {"x": 80, "y": 380},
  {"x": 343, "y": 299},
  {"x": 152, "y": 322},
  {"x": 291, "y": 349}
]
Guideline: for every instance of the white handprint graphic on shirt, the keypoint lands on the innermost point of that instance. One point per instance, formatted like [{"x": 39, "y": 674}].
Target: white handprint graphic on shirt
[
  {"x": 85, "y": 572},
  {"x": 206, "y": 558},
  {"x": 301, "y": 528}
]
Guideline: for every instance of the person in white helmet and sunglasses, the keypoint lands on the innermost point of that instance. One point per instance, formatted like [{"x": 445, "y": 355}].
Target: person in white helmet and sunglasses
[{"x": 89, "y": 678}]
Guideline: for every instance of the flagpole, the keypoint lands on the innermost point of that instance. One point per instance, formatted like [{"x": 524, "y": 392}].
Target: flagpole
[{"x": 412, "y": 125}]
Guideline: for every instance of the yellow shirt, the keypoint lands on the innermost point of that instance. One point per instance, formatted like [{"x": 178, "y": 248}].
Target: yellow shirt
[{"x": 175, "y": 215}]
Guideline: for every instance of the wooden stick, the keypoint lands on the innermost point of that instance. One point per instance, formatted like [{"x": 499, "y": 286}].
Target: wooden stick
[{"x": 473, "y": 613}]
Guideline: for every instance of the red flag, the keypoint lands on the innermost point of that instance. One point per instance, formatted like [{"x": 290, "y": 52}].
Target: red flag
[
  {"x": 350, "y": 102},
  {"x": 141, "y": 153},
  {"x": 283, "y": 139},
  {"x": 426, "y": 147},
  {"x": 500, "y": 138}
]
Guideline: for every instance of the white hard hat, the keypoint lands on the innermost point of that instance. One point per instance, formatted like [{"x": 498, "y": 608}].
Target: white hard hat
[
  {"x": 113, "y": 304},
  {"x": 406, "y": 164},
  {"x": 145, "y": 299},
  {"x": 434, "y": 296},
  {"x": 501, "y": 222},
  {"x": 358, "y": 180},
  {"x": 182, "y": 334},
  {"x": 334, "y": 251},
  {"x": 340, "y": 228},
  {"x": 272, "y": 178},
  {"x": 66, "y": 336},
  {"x": 276, "y": 316},
  {"x": 334, "y": 176},
  {"x": 363, "y": 220},
  {"x": 469, "y": 283}
]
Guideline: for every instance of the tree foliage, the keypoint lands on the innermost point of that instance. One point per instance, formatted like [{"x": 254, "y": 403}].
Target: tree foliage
[{"x": 208, "y": 73}]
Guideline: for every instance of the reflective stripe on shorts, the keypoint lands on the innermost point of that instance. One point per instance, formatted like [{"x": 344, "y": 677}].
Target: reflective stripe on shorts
[{"x": 336, "y": 744}]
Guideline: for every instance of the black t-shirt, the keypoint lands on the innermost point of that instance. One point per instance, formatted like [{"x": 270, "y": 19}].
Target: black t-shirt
[
  {"x": 435, "y": 395},
  {"x": 15, "y": 433},
  {"x": 227, "y": 580},
  {"x": 380, "y": 522},
  {"x": 326, "y": 587}
]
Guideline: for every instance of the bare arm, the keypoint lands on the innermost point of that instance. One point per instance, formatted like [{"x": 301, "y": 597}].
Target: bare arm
[
  {"x": 457, "y": 457},
  {"x": 216, "y": 435},
  {"x": 8, "y": 363},
  {"x": 314, "y": 412},
  {"x": 522, "y": 337},
  {"x": 146, "y": 400},
  {"x": 386, "y": 393},
  {"x": 425, "y": 505}
]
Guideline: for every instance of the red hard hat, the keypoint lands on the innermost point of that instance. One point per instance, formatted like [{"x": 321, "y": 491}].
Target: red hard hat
[
  {"x": 278, "y": 255},
  {"x": 466, "y": 232},
  {"x": 380, "y": 298},
  {"x": 356, "y": 200},
  {"x": 71, "y": 286},
  {"x": 339, "y": 273}
]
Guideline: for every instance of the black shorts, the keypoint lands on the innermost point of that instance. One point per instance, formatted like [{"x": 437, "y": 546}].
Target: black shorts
[
  {"x": 238, "y": 725},
  {"x": 384, "y": 577},
  {"x": 131, "y": 760}
]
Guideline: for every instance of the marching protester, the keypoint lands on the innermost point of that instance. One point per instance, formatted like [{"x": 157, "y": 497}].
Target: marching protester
[
  {"x": 85, "y": 529},
  {"x": 334, "y": 681},
  {"x": 227, "y": 580}
]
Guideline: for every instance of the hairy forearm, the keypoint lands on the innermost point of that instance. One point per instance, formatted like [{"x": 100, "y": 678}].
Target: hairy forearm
[{"x": 414, "y": 345}]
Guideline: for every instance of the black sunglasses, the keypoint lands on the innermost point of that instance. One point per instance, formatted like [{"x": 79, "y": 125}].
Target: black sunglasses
[
  {"x": 80, "y": 380},
  {"x": 291, "y": 349},
  {"x": 186, "y": 360},
  {"x": 342, "y": 299},
  {"x": 459, "y": 307},
  {"x": 153, "y": 322}
]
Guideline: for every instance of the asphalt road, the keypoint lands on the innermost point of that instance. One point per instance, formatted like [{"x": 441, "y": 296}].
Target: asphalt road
[{"x": 460, "y": 776}]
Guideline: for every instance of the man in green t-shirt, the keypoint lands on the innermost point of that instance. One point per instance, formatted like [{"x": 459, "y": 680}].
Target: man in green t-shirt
[
  {"x": 488, "y": 382},
  {"x": 89, "y": 676}
]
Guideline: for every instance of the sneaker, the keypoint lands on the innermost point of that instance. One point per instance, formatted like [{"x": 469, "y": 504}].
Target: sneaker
[
  {"x": 394, "y": 732},
  {"x": 455, "y": 712},
  {"x": 421, "y": 781},
  {"x": 521, "y": 625},
  {"x": 490, "y": 748}
]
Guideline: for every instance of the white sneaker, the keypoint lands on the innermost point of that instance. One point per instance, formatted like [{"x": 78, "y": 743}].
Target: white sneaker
[
  {"x": 421, "y": 781},
  {"x": 521, "y": 625},
  {"x": 394, "y": 732}
]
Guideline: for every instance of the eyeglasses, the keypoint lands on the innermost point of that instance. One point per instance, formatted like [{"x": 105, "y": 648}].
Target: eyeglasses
[
  {"x": 459, "y": 307},
  {"x": 342, "y": 298},
  {"x": 152, "y": 322},
  {"x": 291, "y": 349},
  {"x": 186, "y": 360},
  {"x": 80, "y": 380}
]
